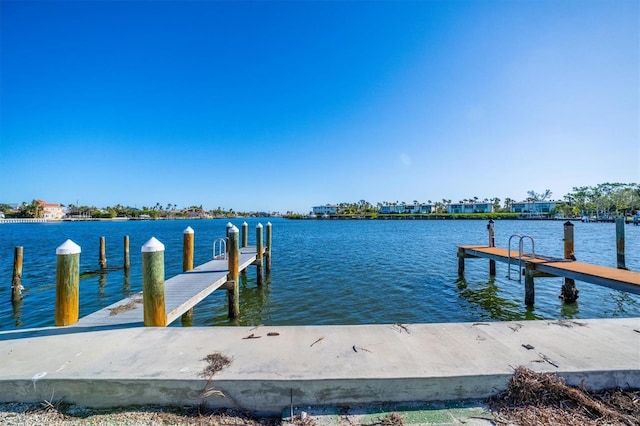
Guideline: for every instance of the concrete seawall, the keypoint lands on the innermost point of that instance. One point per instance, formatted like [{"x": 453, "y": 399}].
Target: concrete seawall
[{"x": 310, "y": 365}]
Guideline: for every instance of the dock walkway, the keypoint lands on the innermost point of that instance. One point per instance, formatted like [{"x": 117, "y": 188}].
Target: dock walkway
[
  {"x": 182, "y": 293},
  {"x": 618, "y": 279}
]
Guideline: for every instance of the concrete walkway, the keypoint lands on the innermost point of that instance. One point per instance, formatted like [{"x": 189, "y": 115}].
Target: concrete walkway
[{"x": 310, "y": 365}]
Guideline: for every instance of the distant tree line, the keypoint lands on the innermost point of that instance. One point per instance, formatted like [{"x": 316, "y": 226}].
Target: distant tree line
[{"x": 606, "y": 199}]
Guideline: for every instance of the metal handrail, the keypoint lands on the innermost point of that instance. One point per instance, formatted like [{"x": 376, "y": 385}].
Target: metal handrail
[
  {"x": 220, "y": 243},
  {"x": 520, "y": 253}
]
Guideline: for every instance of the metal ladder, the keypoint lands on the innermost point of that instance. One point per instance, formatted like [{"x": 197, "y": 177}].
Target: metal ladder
[
  {"x": 521, "y": 253},
  {"x": 220, "y": 249}
]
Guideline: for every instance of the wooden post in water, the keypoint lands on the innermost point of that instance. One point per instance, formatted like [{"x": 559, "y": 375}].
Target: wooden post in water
[
  {"x": 460, "y": 262},
  {"x": 127, "y": 261},
  {"x": 103, "y": 254},
  {"x": 569, "y": 292},
  {"x": 16, "y": 280},
  {"x": 229, "y": 226},
  {"x": 259, "y": 254},
  {"x": 245, "y": 236},
  {"x": 234, "y": 266},
  {"x": 267, "y": 253},
  {"x": 620, "y": 242},
  {"x": 529, "y": 289},
  {"x": 67, "y": 283},
  {"x": 188, "y": 244},
  {"x": 492, "y": 243},
  {"x": 153, "y": 283}
]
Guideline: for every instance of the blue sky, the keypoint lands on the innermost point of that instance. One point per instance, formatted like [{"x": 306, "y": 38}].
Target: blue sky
[{"x": 283, "y": 105}]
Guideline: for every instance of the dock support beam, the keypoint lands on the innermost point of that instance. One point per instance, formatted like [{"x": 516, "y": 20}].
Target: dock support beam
[
  {"x": 569, "y": 292},
  {"x": 492, "y": 243},
  {"x": 103, "y": 254},
  {"x": 620, "y": 242},
  {"x": 127, "y": 261},
  {"x": 529, "y": 288},
  {"x": 153, "y": 284},
  {"x": 233, "y": 293},
  {"x": 16, "y": 280},
  {"x": 188, "y": 243},
  {"x": 67, "y": 283},
  {"x": 460, "y": 262},
  {"x": 267, "y": 253},
  {"x": 259, "y": 254}
]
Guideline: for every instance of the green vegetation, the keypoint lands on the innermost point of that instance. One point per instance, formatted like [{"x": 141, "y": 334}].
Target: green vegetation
[{"x": 605, "y": 200}]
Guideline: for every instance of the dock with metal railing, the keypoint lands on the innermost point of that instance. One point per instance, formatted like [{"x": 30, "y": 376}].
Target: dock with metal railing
[
  {"x": 618, "y": 279},
  {"x": 529, "y": 264}
]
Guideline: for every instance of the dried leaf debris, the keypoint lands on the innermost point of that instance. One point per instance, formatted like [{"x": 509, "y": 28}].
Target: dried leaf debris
[{"x": 543, "y": 398}]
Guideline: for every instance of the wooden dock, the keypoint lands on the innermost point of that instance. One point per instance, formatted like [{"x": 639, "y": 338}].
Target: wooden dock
[
  {"x": 182, "y": 293},
  {"x": 618, "y": 279}
]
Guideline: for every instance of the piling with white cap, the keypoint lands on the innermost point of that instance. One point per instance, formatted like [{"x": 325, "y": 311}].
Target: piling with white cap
[
  {"x": 259, "y": 254},
  {"x": 267, "y": 253},
  {"x": 234, "y": 266},
  {"x": 245, "y": 236},
  {"x": 188, "y": 243},
  {"x": 188, "y": 238},
  {"x": 153, "y": 283},
  {"x": 229, "y": 226},
  {"x": 67, "y": 283}
]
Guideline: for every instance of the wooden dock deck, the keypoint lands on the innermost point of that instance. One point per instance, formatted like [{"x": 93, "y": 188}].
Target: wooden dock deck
[
  {"x": 182, "y": 293},
  {"x": 618, "y": 279}
]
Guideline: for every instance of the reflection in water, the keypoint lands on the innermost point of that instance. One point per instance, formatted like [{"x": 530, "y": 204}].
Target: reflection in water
[
  {"x": 102, "y": 282},
  {"x": 570, "y": 310},
  {"x": 17, "y": 311},
  {"x": 126, "y": 284},
  {"x": 497, "y": 308},
  {"x": 622, "y": 302}
]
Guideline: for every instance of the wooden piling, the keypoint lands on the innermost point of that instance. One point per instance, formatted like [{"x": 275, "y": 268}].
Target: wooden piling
[
  {"x": 259, "y": 255},
  {"x": 233, "y": 293},
  {"x": 245, "y": 236},
  {"x": 620, "y": 242},
  {"x": 67, "y": 283},
  {"x": 103, "y": 253},
  {"x": 529, "y": 289},
  {"x": 492, "y": 243},
  {"x": 16, "y": 280},
  {"x": 188, "y": 244},
  {"x": 569, "y": 291},
  {"x": 153, "y": 283},
  {"x": 267, "y": 253},
  {"x": 460, "y": 262},
  {"x": 127, "y": 261},
  {"x": 229, "y": 226}
]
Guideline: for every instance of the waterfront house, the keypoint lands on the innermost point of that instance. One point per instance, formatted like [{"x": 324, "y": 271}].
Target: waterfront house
[
  {"x": 52, "y": 211},
  {"x": 534, "y": 208},
  {"x": 328, "y": 209},
  {"x": 457, "y": 208}
]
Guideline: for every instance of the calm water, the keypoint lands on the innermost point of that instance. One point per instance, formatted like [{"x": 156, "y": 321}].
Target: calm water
[{"x": 326, "y": 272}]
